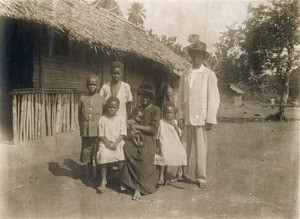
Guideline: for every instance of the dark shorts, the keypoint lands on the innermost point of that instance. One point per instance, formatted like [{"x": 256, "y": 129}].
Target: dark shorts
[{"x": 89, "y": 148}]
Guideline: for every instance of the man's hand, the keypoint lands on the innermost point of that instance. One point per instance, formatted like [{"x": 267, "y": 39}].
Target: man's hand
[
  {"x": 181, "y": 123},
  {"x": 208, "y": 126}
]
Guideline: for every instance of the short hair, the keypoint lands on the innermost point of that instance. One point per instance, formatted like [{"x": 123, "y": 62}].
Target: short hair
[
  {"x": 135, "y": 111},
  {"x": 117, "y": 64},
  {"x": 168, "y": 104},
  {"x": 146, "y": 89},
  {"x": 93, "y": 76},
  {"x": 113, "y": 99}
]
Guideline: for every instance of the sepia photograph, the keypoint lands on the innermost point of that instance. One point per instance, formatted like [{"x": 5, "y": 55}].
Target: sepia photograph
[{"x": 149, "y": 109}]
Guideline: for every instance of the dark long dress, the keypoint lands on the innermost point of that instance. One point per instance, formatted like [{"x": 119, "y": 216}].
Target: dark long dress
[{"x": 139, "y": 171}]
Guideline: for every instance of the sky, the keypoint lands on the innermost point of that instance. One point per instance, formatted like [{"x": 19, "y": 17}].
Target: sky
[{"x": 207, "y": 18}]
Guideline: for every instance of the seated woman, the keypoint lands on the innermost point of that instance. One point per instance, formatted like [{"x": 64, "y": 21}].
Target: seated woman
[{"x": 139, "y": 172}]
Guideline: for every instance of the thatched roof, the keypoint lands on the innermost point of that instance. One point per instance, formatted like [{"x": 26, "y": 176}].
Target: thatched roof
[{"x": 96, "y": 27}]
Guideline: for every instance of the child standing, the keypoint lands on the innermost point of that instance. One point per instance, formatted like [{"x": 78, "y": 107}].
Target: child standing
[
  {"x": 172, "y": 152},
  {"x": 90, "y": 110},
  {"x": 112, "y": 129},
  {"x": 118, "y": 88}
]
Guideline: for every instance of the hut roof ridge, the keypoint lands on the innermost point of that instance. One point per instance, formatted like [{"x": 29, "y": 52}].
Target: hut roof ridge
[{"x": 81, "y": 20}]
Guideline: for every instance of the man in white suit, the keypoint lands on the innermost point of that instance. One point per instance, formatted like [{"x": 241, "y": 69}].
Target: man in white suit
[{"x": 198, "y": 103}]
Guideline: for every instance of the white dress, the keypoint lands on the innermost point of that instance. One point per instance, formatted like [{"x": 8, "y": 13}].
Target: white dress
[
  {"x": 124, "y": 95},
  {"x": 173, "y": 152},
  {"x": 111, "y": 128}
]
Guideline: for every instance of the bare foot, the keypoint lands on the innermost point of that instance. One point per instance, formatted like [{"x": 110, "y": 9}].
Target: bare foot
[
  {"x": 102, "y": 186},
  {"x": 122, "y": 188},
  {"x": 137, "y": 195},
  {"x": 161, "y": 182}
]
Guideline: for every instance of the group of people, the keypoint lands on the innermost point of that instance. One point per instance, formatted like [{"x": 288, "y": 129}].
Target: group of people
[{"x": 143, "y": 141}]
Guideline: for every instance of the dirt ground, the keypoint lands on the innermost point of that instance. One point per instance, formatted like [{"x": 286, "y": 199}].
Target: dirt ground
[{"x": 253, "y": 172}]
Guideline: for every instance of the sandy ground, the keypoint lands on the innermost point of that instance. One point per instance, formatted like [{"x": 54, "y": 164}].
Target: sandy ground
[{"x": 253, "y": 172}]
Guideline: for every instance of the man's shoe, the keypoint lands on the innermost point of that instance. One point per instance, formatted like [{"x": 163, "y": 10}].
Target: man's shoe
[{"x": 201, "y": 185}]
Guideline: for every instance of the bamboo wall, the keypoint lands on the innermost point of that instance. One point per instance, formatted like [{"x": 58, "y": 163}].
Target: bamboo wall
[{"x": 39, "y": 113}]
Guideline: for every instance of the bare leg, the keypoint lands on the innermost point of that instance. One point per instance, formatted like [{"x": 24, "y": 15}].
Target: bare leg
[
  {"x": 98, "y": 175},
  {"x": 103, "y": 171},
  {"x": 185, "y": 176},
  {"x": 179, "y": 173},
  {"x": 165, "y": 175},
  {"x": 184, "y": 172},
  {"x": 120, "y": 166},
  {"x": 89, "y": 170},
  {"x": 161, "y": 175}
]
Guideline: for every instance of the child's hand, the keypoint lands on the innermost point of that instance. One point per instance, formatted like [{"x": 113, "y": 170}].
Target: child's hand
[
  {"x": 181, "y": 123},
  {"x": 135, "y": 142},
  {"x": 158, "y": 151},
  {"x": 108, "y": 145},
  {"x": 114, "y": 146},
  {"x": 132, "y": 127}
]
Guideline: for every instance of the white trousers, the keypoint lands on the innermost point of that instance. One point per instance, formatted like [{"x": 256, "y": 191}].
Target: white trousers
[{"x": 197, "y": 135}]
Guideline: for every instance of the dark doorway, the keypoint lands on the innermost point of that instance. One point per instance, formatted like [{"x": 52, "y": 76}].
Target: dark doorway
[{"x": 16, "y": 68}]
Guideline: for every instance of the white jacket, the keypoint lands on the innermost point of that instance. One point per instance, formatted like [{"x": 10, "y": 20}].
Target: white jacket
[{"x": 200, "y": 103}]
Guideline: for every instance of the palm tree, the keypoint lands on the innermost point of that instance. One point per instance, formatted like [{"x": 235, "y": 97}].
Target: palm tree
[
  {"x": 136, "y": 14},
  {"x": 110, "y": 5}
]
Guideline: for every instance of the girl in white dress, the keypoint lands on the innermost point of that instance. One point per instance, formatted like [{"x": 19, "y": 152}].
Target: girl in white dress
[
  {"x": 112, "y": 129},
  {"x": 171, "y": 151}
]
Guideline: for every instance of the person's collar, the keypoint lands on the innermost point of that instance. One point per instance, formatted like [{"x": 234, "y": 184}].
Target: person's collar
[{"x": 200, "y": 69}]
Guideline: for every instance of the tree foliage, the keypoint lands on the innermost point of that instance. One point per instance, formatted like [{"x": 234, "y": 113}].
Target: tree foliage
[
  {"x": 110, "y": 5},
  {"x": 266, "y": 41},
  {"x": 136, "y": 14}
]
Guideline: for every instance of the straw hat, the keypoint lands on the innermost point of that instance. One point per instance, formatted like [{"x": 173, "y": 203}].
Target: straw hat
[{"x": 198, "y": 47}]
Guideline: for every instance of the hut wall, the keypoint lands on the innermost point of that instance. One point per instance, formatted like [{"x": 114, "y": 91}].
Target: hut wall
[
  {"x": 140, "y": 71},
  {"x": 59, "y": 63}
]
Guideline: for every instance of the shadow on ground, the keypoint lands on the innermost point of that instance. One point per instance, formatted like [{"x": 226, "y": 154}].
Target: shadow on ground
[{"x": 73, "y": 170}]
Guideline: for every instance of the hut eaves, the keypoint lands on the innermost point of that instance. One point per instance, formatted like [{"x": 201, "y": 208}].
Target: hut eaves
[{"x": 98, "y": 28}]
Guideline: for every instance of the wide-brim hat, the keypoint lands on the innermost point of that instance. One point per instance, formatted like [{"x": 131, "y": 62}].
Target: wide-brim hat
[
  {"x": 198, "y": 47},
  {"x": 146, "y": 89}
]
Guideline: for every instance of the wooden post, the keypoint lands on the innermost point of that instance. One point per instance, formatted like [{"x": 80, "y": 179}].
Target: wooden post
[
  {"x": 73, "y": 112},
  {"x": 32, "y": 115},
  {"x": 26, "y": 117},
  {"x": 58, "y": 114},
  {"x": 36, "y": 115},
  {"x": 42, "y": 117},
  {"x": 19, "y": 101},
  {"x": 15, "y": 118},
  {"x": 22, "y": 119},
  {"x": 76, "y": 110},
  {"x": 53, "y": 113},
  {"x": 48, "y": 115},
  {"x": 63, "y": 111},
  {"x": 29, "y": 116},
  {"x": 68, "y": 109}
]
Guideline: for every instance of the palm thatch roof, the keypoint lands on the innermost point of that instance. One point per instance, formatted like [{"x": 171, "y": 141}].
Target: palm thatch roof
[{"x": 98, "y": 28}]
